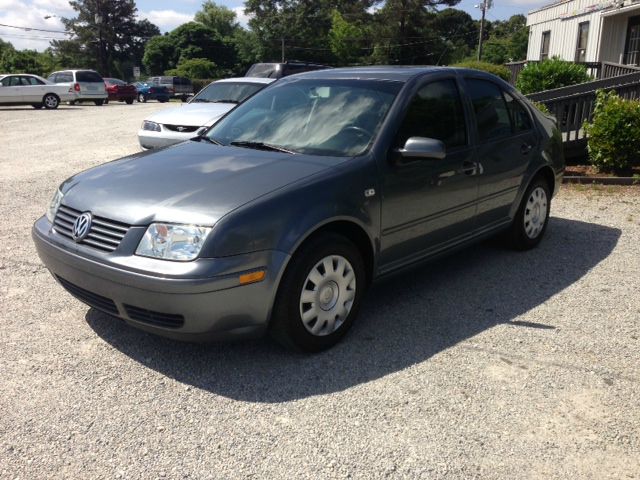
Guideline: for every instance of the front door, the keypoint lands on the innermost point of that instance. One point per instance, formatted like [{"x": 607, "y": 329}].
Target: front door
[
  {"x": 10, "y": 92},
  {"x": 428, "y": 204}
]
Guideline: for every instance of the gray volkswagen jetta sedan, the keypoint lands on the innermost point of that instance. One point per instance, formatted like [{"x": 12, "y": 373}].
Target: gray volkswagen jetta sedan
[{"x": 279, "y": 217}]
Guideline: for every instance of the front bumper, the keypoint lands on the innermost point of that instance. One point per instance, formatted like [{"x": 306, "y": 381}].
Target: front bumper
[
  {"x": 163, "y": 138},
  {"x": 194, "y": 301}
]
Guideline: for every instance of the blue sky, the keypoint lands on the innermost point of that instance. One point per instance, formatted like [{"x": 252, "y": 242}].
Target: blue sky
[{"x": 167, "y": 14}]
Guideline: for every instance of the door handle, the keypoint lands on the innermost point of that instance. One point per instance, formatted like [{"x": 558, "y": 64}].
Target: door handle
[
  {"x": 525, "y": 148},
  {"x": 471, "y": 168}
]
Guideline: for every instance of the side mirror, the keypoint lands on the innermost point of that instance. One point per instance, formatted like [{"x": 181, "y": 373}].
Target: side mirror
[{"x": 422, "y": 147}]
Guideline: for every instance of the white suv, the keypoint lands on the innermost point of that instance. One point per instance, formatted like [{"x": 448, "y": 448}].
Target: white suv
[{"x": 87, "y": 84}]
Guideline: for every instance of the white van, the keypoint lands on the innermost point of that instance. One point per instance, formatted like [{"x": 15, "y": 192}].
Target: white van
[{"x": 87, "y": 84}]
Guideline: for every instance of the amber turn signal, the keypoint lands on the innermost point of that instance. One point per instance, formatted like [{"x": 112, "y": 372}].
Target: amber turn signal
[{"x": 252, "y": 277}]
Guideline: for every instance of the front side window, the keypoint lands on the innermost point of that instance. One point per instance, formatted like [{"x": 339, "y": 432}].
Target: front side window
[
  {"x": 311, "y": 116},
  {"x": 6, "y": 81},
  {"x": 14, "y": 81},
  {"x": 581, "y": 43},
  {"x": 544, "y": 48},
  {"x": 492, "y": 116},
  {"x": 435, "y": 112},
  {"x": 227, "y": 92}
]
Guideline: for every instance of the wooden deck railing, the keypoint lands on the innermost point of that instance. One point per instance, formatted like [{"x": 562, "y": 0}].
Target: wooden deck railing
[
  {"x": 615, "y": 69},
  {"x": 573, "y": 105}
]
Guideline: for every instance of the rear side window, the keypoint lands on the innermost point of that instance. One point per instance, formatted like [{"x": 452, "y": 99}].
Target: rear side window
[
  {"x": 64, "y": 77},
  {"x": 519, "y": 115},
  {"x": 86, "y": 76},
  {"x": 492, "y": 117},
  {"x": 34, "y": 81},
  {"x": 435, "y": 112}
]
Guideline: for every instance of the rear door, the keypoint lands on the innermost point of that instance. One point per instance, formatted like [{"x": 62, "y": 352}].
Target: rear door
[
  {"x": 33, "y": 89},
  {"x": 90, "y": 83},
  {"x": 506, "y": 142},
  {"x": 11, "y": 91},
  {"x": 429, "y": 204}
]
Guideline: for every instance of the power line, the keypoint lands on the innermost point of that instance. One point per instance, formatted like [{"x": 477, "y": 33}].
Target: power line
[{"x": 35, "y": 29}]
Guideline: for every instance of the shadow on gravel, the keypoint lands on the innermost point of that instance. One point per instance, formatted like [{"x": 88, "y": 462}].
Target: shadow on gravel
[{"x": 403, "y": 321}]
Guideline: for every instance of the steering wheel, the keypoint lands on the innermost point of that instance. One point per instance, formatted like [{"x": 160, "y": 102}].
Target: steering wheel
[{"x": 358, "y": 130}]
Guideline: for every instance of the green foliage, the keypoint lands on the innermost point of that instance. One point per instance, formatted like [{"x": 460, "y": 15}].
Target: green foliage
[
  {"x": 194, "y": 68},
  {"x": 497, "y": 70},
  {"x": 460, "y": 33},
  {"x": 218, "y": 18},
  {"x": 25, "y": 61},
  {"x": 549, "y": 74},
  {"x": 614, "y": 133},
  {"x": 344, "y": 39},
  {"x": 106, "y": 36},
  {"x": 160, "y": 54},
  {"x": 542, "y": 107}
]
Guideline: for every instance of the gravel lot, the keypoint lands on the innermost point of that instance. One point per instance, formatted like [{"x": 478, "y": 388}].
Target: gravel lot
[{"x": 490, "y": 364}]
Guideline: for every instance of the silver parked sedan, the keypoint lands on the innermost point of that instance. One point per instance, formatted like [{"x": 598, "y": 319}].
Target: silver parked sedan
[
  {"x": 26, "y": 89},
  {"x": 282, "y": 214},
  {"x": 178, "y": 124}
]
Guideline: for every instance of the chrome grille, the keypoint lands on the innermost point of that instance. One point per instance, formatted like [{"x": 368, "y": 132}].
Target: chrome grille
[
  {"x": 181, "y": 128},
  {"x": 104, "y": 234}
]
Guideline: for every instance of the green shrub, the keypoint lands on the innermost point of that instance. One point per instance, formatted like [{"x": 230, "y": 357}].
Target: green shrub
[
  {"x": 498, "y": 70},
  {"x": 554, "y": 73},
  {"x": 542, "y": 107},
  {"x": 614, "y": 133}
]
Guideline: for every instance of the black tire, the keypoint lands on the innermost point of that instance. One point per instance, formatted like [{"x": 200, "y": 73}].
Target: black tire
[
  {"x": 129, "y": 101},
  {"x": 106, "y": 102},
  {"x": 72, "y": 102},
  {"x": 99, "y": 103},
  {"x": 163, "y": 99},
  {"x": 50, "y": 101},
  {"x": 37, "y": 106},
  {"x": 184, "y": 99},
  {"x": 286, "y": 325},
  {"x": 520, "y": 235},
  {"x": 141, "y": 98}
]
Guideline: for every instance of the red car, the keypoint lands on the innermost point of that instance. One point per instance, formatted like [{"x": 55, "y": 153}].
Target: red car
[{"x": 120, "y": 91}]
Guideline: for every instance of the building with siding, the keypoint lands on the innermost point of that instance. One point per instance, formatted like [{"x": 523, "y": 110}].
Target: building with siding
[{"x": 586, "y": 31}]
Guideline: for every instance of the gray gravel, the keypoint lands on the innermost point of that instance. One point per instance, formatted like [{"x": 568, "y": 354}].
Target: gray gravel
[{"x": 489, "y": 364}]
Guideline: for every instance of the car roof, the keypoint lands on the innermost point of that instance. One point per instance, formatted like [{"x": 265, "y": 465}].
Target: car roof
[
  {"x": 383, "y": 72},
  {"x": 266, "y": 81}
]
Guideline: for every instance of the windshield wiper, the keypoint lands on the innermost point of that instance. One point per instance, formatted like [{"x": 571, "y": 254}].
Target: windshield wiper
[
  {"x": 262, "y": 146},
  {"x": 206, "y": 139},
  {"x": 200, "y": 100},
  {"x": 226, "y": 101}
]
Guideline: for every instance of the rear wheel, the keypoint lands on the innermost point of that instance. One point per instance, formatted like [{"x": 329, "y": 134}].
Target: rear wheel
[
  {"x": 129, "y": 101},
  {"x": 141, "y": 98},
  {"x": 50, "y": 101},
  {"x": 532, "y": 218},
  {"x": 163, "y": 99},
  {"x": 72, "y": 102},
  {"x": 37, "y": 106},
  {"x": 106, "y": 102},
  {"x": 319, "y": 295},
  {"x": 99, "y": 103}
]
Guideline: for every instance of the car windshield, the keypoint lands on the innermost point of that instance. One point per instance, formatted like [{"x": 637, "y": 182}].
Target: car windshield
[
  {"x": 316, "y": 117},
  {"x": 115, "y": 81},
  {"x": 227, "y": 92}
]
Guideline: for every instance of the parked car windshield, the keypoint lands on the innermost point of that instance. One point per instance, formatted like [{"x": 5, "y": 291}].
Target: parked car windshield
[
  {"x": 227, "y": 92},
  {"x": 314, "y": 116},
  {"x": 115, "y": 81}
]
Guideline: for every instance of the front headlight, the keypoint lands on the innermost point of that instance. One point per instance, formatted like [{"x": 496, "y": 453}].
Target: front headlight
[
  {"x": 172, "y": 242},
  {"x": 53, "y": 206},
  {"x": 153, "y": 126}
]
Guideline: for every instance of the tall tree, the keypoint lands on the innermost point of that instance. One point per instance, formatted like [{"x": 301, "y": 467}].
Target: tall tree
[
  {"x": 106, "y": 30},
  {"x": 218, "y": 18}
]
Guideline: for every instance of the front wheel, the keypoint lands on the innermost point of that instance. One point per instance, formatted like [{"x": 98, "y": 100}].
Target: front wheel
[
  {"x": 129, "y": 101},
  {"x": 50, "y": 101},
  {"x": 531, "y": 220},
  {"x": 319, "y": 295},
  {"x": 99, "y": 103},
  {"x": 141, "y": 98}
]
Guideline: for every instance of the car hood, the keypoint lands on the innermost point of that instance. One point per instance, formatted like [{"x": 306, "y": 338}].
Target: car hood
[
  {"x": 192, "y": 114},
  {"x": 192, "y": 182}
]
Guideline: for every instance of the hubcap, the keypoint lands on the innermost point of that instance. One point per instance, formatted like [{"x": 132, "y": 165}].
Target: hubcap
[
  {"x": 535, "y": 212},
  {"x": 50, "y": 101},
  {"x": 327, "y": 295}
]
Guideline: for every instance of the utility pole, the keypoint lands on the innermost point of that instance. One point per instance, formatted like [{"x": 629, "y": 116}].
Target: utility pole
[
  {"x": 484, "y": 6},
  {"x": 282, "y": 48}
]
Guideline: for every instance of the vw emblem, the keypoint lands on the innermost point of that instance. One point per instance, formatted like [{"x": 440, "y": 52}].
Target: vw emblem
[{"x": 81, "y": 227}]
